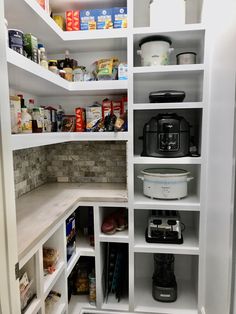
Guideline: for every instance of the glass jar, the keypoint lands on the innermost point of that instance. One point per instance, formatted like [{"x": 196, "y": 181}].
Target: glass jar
[
  {"x": 52, "y": 66},
  {"x": 78, "y": 74},
  {"x": 37, "y": 124}
]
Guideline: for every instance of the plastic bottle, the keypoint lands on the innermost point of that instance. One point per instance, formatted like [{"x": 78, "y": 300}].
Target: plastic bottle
[
  {"x": 43, "y": 58},
  {"x": 60, "y": 113},
  {"x": 26, "y": 120},
  {"x": 68, "y": 67}
]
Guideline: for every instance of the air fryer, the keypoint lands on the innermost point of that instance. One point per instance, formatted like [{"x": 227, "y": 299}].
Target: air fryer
[{"x": 166, "y": 135}]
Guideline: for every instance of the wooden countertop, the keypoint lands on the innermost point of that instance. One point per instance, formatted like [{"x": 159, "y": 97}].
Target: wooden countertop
[{"x": 40, "y": 209}]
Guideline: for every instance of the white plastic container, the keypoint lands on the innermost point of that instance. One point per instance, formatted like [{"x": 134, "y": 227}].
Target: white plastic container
[
  {"x": 155, "y": 50},
  {"x": 167, "y": 12},
  {"x": 166, "y": 183}
]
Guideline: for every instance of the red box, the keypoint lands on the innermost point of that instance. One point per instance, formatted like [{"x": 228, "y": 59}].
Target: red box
[
  {"x": 80, "y": 123},
  {"x": 117, "y": 108},
  {"x": 106, "y": 107},
  {"x": 72, "y": 20},
  {"x": 124, "y": 104}
]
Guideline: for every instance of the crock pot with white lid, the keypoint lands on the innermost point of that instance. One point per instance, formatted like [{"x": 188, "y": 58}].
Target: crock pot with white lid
[
  {"x": 165, "y": 183},
  {"x": 155, "y": 50}
]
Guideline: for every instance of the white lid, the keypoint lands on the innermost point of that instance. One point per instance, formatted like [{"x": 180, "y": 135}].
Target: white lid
[{"x": 165, "y": 172}]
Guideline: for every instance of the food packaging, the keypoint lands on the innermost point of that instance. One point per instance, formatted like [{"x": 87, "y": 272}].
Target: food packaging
[
  {"x": 123, "y": 71},
  {"x": 16, "y": 40},
  {"x": 15, "y": 109},
  {"x": 106, "y": 107},
  {"x": 117, "y": 108},
  {"x": 26, "y": 291},
  {"x": 68, "y": 123},
  {"x": 59, "y": 20},
  {"x": 72, "y": 20},
  {"x": 161, "y": 183},
  {"x": 186, "y": 58},
  {"x": 31, "y": 47},
  {"x": 50, "y": 259},
  {"x": 93, "y": 114},
  {"x": 103, "y": 18},
  {"x": 80, "y": 122},
  {"x": 44, "y": 4},
  {"x": 87, "y": 20},
  {"x": 119, "y": 17}
]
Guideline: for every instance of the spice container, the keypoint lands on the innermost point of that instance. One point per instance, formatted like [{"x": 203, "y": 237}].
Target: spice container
[
  {"x": 52, "y": 66},
  {"x": 78, "y": 74},
  {"x": 37, "y": 125},
  {"x": 186, "y": 58}
]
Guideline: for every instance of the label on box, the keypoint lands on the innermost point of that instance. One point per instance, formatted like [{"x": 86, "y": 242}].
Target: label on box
[
  {"x": 80, "y": 120},
  {"x": 123, "y": 71},
  {"x": 117, "y": 108},
  {"x": 87, "y": 19},
  {"x": 104, "y": 18},
  {"x": 106, "y": 108},
  {"x": 120, "y": 17}
]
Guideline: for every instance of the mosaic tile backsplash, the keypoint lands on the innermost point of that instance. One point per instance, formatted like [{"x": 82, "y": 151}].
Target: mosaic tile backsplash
[{"x": 81, "y": 162}]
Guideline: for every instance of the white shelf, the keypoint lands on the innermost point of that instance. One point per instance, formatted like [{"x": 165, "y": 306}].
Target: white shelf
[
  {"x": 186, "y": 302},
  {"x": 22, "y": 141},
  {"x": 29, "y": 76},
  {"x": 117, "y": 237},
  {"x": 173, "y": 105},
  {"x": 186, "y": 68},
  {"x": 167, "y": 161},
  {"x": 79, "y": 302},
  {"x": 186, "y": 29},
  {"x": 189, "y": 247},
  {"x": 191, "y": 203},
  {"x": 83, "y": 248},
  {"x": 34, "y": 307},
  {"x": 50, "y": 279},
  {"x": 56, "y": 40},
  {"x": 114, "y": 305},
  {"x": 60, "y": 309}
]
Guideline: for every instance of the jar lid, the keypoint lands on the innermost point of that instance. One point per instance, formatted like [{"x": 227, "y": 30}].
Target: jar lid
[
  {"x": 155, "y": 38},
  {"x": 52, "y": 61},
  {"x": 186, "y": 53},
  {"x": 35, "y": 109}
]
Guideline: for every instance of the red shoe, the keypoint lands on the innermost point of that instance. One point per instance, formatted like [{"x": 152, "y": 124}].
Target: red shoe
[
  {"x": 109, "y": 225},
  {"x": 121, "y": 219}
]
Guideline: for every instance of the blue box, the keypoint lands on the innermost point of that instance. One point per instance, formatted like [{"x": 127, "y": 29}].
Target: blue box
[
  {"x": 120, "y": 17},
  {"x": 87, "y": 20},
  {"x": 104, "y": 18}
]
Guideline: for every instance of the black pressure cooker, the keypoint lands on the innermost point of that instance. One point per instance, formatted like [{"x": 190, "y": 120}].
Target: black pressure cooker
[{"x": 166, "y": 135}]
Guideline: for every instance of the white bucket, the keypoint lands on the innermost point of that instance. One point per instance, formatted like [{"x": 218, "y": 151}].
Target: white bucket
[{"x": 167, "y": 12}]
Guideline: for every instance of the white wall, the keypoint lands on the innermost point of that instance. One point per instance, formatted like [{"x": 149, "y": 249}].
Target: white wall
[{"x": 220, "y": 189}]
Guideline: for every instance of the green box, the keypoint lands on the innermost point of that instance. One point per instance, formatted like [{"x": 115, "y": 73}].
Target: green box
[{"x": 31, "y": 47}]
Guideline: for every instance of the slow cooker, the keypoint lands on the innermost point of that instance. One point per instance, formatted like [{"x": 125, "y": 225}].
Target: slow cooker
[
  {"x": 155, "y": 50},
  {"x": 166, "y": 135}
]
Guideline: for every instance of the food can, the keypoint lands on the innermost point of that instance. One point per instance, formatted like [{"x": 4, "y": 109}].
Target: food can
[
  {"x": 16, "y": 40},
  {"x": 186, "y": 58}
]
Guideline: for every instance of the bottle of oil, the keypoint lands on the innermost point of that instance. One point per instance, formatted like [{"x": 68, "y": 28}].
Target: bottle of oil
[{"x": 68, "y": 67}]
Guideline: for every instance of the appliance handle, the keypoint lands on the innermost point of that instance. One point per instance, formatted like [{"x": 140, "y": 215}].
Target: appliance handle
[
  {"x": 140, "y": 137},
  {"x": 190, "y": 178},
  {"x": 139, "y": 52},
  {"x": 141, "y": 177}
]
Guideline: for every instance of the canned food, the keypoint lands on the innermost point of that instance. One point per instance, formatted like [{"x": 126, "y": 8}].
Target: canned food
[
  {"x": 16, "y": 40},
  {"x": 186, "y": 58}
]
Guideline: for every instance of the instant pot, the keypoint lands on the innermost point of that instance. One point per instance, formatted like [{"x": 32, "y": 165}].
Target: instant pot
[{"x": 166, "y": 135}]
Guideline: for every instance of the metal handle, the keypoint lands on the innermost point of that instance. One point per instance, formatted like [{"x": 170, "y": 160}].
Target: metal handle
[
  {"x": 139, "y": 52},
  {"x": 141, "y": 177},
  {"x": 190, "y": 178}
]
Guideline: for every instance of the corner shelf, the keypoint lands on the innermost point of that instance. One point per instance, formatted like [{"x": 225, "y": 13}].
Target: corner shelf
[
  {"x": 118, "y": 237},
  {"x": 22, "y": 141},
  {"x": 50, "y": 279},
  {"x": 34, "y": 306}
]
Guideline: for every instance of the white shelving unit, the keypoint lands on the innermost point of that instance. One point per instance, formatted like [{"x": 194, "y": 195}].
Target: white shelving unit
[{"x": 45, "y": 210}]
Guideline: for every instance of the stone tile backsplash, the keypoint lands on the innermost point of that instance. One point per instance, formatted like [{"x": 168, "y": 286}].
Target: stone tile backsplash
[{"x": 81, "y": 162}]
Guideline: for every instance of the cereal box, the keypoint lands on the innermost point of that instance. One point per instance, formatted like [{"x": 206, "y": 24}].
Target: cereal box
[
  {"x": 72, "y": 20},
  {"x": 104, "y": 18},
  {"x": 120, "y": 17},
  {"x": 117, "y": 108},
  {"x": 87, "y": 20},
  {"x": 106, "y": 107},
  {"x": 80, "y": 123},
  {"x": 15, "y": 109}
]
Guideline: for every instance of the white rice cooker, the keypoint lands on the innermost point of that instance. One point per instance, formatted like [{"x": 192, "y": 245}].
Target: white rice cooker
[
  {"x": 155, "y": 50},
  {"x": 165, "y": 183}
]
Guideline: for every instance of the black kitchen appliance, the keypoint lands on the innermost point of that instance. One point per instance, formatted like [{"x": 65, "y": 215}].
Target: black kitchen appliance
[
  {"x": 164, "y": 226},
  {"x": 164, "y": 286},
  {"x": 166, "y": 96},
  {"x": 166, "y": 135}
]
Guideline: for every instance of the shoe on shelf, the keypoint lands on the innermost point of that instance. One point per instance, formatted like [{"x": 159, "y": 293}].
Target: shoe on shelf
[
  {"x": 116, "y": 221},
  {"x": 109, "y": 225}
]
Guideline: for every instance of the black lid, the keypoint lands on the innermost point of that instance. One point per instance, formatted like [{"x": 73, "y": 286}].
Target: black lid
[
  {"x": 186, "y": 52},
  {"x": 154, "y": 38}
]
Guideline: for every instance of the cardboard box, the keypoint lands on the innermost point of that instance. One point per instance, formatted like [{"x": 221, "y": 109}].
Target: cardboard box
[
  {"x": 31, "y": 47},
  {"x": 106, "y": 107},
  {"x": 15, "y": 109},
  {"x": 72, "y": 20},
  {"x": 104, "y": 18},
  {"x": 93, "y": 113},
  {"x": 87, "y": 20},
  {"x": 117, "y": 108},
  {"x": 80, "y": 121},
  {"x": 120, "y": 17}
]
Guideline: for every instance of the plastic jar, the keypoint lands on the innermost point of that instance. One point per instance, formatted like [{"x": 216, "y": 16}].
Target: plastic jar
[
  {"x": 52, "y": 66},
  {"x": 37, "y": 125}
]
